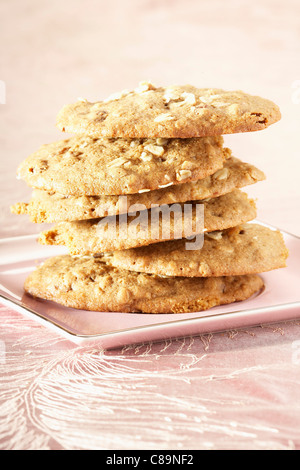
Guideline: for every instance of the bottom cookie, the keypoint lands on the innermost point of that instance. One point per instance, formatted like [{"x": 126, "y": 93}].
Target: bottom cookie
[{"x": 90, "y": 284}]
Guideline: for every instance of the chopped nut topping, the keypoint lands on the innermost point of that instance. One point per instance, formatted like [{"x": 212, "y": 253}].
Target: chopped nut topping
[
  {"x": 146, "y": 157},
  {"x": 144, "y": 86},
  {"x": 144, "y": 191},
  {"x": 165, "y": 185},
  {"x": 183, "y": 174},
  {"x": 164, "y": 117},
  {"x": 179, "y": 100},
  {"x": 214, "y": 235},
  {"x": 189, "y": 98},
  {"x": 207, "y": 99},
  {"x": 213, "y": 100},
  {"x": 221, "y": 174},
  {"x": 155, "y": 149},
  {"x": 116, "y": 96},
  {"x": 188, "y": 165},
  {"x": 171, "y": 95},
  {"x": 118, "y": 162},
  {"x": 162, "y": 141}
]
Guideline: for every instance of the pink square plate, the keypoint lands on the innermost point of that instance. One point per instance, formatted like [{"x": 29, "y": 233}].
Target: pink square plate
[{"x": 278, "y": 301}]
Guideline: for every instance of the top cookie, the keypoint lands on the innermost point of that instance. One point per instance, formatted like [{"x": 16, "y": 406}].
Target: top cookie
[{"x": 169, "y": 112}]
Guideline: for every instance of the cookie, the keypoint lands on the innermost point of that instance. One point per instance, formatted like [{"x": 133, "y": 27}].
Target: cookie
[
  {"x": 246, "y": 249},
  {"x": 54, "y": 207},
  {"x": 129, "y": 231},
  {"x": 85, "y": 166},
  {"x": 169, "y": 112},
  {"x": 90, "y": 284}
]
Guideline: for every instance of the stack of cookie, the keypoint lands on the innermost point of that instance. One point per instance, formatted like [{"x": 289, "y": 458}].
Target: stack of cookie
[{"x": 148, "y": 202}]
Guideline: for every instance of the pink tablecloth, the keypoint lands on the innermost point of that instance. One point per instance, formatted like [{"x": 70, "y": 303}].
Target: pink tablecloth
[{"x": 231, "y": 390}]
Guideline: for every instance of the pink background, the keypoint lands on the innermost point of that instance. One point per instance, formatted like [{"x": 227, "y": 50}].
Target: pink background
[{"x": 230, "y": 390}]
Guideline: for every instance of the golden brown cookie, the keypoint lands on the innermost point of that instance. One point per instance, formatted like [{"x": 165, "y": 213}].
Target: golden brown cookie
[
  {"x": 174, "y": 111},
  {"x": 54, "y": 207},
  {"x": 90, "y": 284},
  {"x": 177, "y": 221},
  {"x": 86, "y": 166},
  {"x": 245, "y": 249}
]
